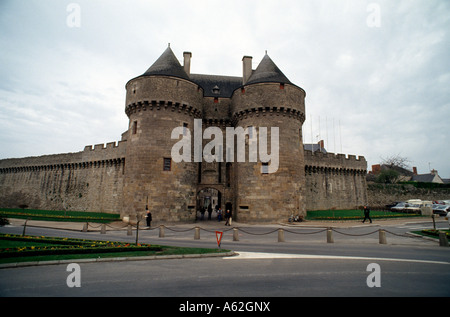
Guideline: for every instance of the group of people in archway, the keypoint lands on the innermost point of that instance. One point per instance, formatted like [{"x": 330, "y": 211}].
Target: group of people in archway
[{"x": 217, "y": 213}]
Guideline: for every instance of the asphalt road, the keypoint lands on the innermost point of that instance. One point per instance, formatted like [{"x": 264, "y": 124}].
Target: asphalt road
[{"x": 305, "y": 265}]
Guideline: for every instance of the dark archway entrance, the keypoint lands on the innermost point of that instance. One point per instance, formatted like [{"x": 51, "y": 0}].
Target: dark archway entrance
[{"x": 209, "y": 200}]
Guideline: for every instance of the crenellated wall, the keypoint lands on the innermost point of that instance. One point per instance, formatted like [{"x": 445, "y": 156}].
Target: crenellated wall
[
  {"x": 89, "y": 180},
  {"x": 334, "y": 181}
]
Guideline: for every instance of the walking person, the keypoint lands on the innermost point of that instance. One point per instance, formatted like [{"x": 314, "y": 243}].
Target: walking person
[
  {"x": 148, "y": 217},
  {"x": 367, "y": 214},
  {"x": 228, "y": 218}
]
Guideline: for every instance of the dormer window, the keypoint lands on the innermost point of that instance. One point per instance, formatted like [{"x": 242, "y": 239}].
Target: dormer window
[{"x": 216, "y": 90}]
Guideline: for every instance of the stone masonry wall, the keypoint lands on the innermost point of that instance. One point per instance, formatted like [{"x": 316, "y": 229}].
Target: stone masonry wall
[
  {"x": 274, "y": 196},
  {"x": 90, "y": 180},
  {"x": 155, "y": 106},
  {"x": 334, "y": 181},
  {"x": 379, "y": 195}
]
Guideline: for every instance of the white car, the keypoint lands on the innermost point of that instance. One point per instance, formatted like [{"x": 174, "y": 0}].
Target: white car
[
  {"x": 448, "y": 218},
  {"x": 441, "y": 210},
  {"x": 399, "y": 207},
  {"x": 412, "y": 208}
]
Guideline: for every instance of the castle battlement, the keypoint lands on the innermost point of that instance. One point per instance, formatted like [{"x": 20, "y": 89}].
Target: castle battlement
[
  {"x": 144, "y": 105},
  {"x": 112, "y": 153},
  {"x": 332, "y": 160},
  {"x": 98, "y": 152}
]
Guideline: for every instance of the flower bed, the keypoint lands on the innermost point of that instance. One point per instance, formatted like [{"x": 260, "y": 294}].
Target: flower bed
[
  {"x": 57, "y": 246},
  {"x": 435, "y": 233}
]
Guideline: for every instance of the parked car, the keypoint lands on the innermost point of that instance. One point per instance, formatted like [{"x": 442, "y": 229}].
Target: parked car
[
  {"x": 441, "y": 210},
  {"x": 399, "y": 207},
  {"x": 389, "y": 206},
  {"x": 412, "y": 208}
]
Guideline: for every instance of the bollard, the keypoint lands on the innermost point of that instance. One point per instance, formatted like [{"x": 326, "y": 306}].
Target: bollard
[
  {"x": 129, "y": 232},
  {"x": 330, "y": 236},
  {"x": 103, "y": 230},
  {"x": 235, "y": 234},
  {"x": 443, "y": 241},
  {"x": 280, "y": 235},
  {"x": 197, "y": 233},
  {"x": 382, "y": 236},
  {"x": 85, "y": 227},
  {"x": 161, "y": 231}
]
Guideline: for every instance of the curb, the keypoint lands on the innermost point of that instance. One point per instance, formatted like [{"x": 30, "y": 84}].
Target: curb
[{"x": 117, "y": 259}]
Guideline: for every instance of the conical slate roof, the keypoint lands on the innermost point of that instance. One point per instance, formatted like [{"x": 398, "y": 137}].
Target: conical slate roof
[
  {"x": 168, "y": 65},
  {"x": 266, "y": 72}
]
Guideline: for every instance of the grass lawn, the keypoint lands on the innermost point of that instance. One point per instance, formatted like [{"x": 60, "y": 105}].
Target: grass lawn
[
  {"x": 59, "y": 215},
  {"x": 354, "y": 214},
  {"x": 17, "y": 248}
]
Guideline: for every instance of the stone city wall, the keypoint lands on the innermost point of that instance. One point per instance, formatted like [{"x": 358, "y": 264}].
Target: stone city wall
[
  {"x": 334, "y": 181},
  {"x": 90, "y": 180}
]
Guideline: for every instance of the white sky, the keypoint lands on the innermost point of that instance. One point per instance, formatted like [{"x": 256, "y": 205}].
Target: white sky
[{"x": 378, "y": 70}]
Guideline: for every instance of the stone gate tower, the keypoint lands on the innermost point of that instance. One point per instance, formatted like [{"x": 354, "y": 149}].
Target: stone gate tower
[
  {"x": 167, "y": 96},
  {"x": 268, "y": 99},
  {"x": 156, "y": 102}
]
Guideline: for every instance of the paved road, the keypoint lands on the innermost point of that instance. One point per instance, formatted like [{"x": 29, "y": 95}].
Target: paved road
[{"x": 304, "y": 265}]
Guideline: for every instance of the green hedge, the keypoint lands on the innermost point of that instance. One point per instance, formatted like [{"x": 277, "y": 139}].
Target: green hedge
[
  {"x": 354, "y": 214},
  {"x": 59, "y": 215},
  {"x": 426, "y": 185}
]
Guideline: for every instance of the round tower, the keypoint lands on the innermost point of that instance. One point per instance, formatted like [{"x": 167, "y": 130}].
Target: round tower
[
  {"x": 158, "y": 101},
  {"x": 273, "y": 190}
]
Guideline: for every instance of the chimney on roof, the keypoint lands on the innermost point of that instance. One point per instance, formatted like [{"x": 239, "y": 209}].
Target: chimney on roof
[
  {"x": 321, "y": 144},
  {"x": 247, "y": 68},
  {"x": 414, "y": 170},
  {"x": 376, "y": 169},
  {"x": 187, "y": 62}
]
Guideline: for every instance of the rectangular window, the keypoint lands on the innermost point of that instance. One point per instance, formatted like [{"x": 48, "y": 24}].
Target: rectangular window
[
  {"x": 134, "y": 127},
  {"x": 185, "y": 126},
  {"x": 167, "y": 164}
]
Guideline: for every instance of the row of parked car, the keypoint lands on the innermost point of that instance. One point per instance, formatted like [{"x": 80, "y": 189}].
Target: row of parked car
[{"x": 441, "y": 207}]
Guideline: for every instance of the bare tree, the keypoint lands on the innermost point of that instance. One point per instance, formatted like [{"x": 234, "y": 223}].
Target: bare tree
[
  {"x": 396, "y": 161},
  {"x": 395, "y": 167}
]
